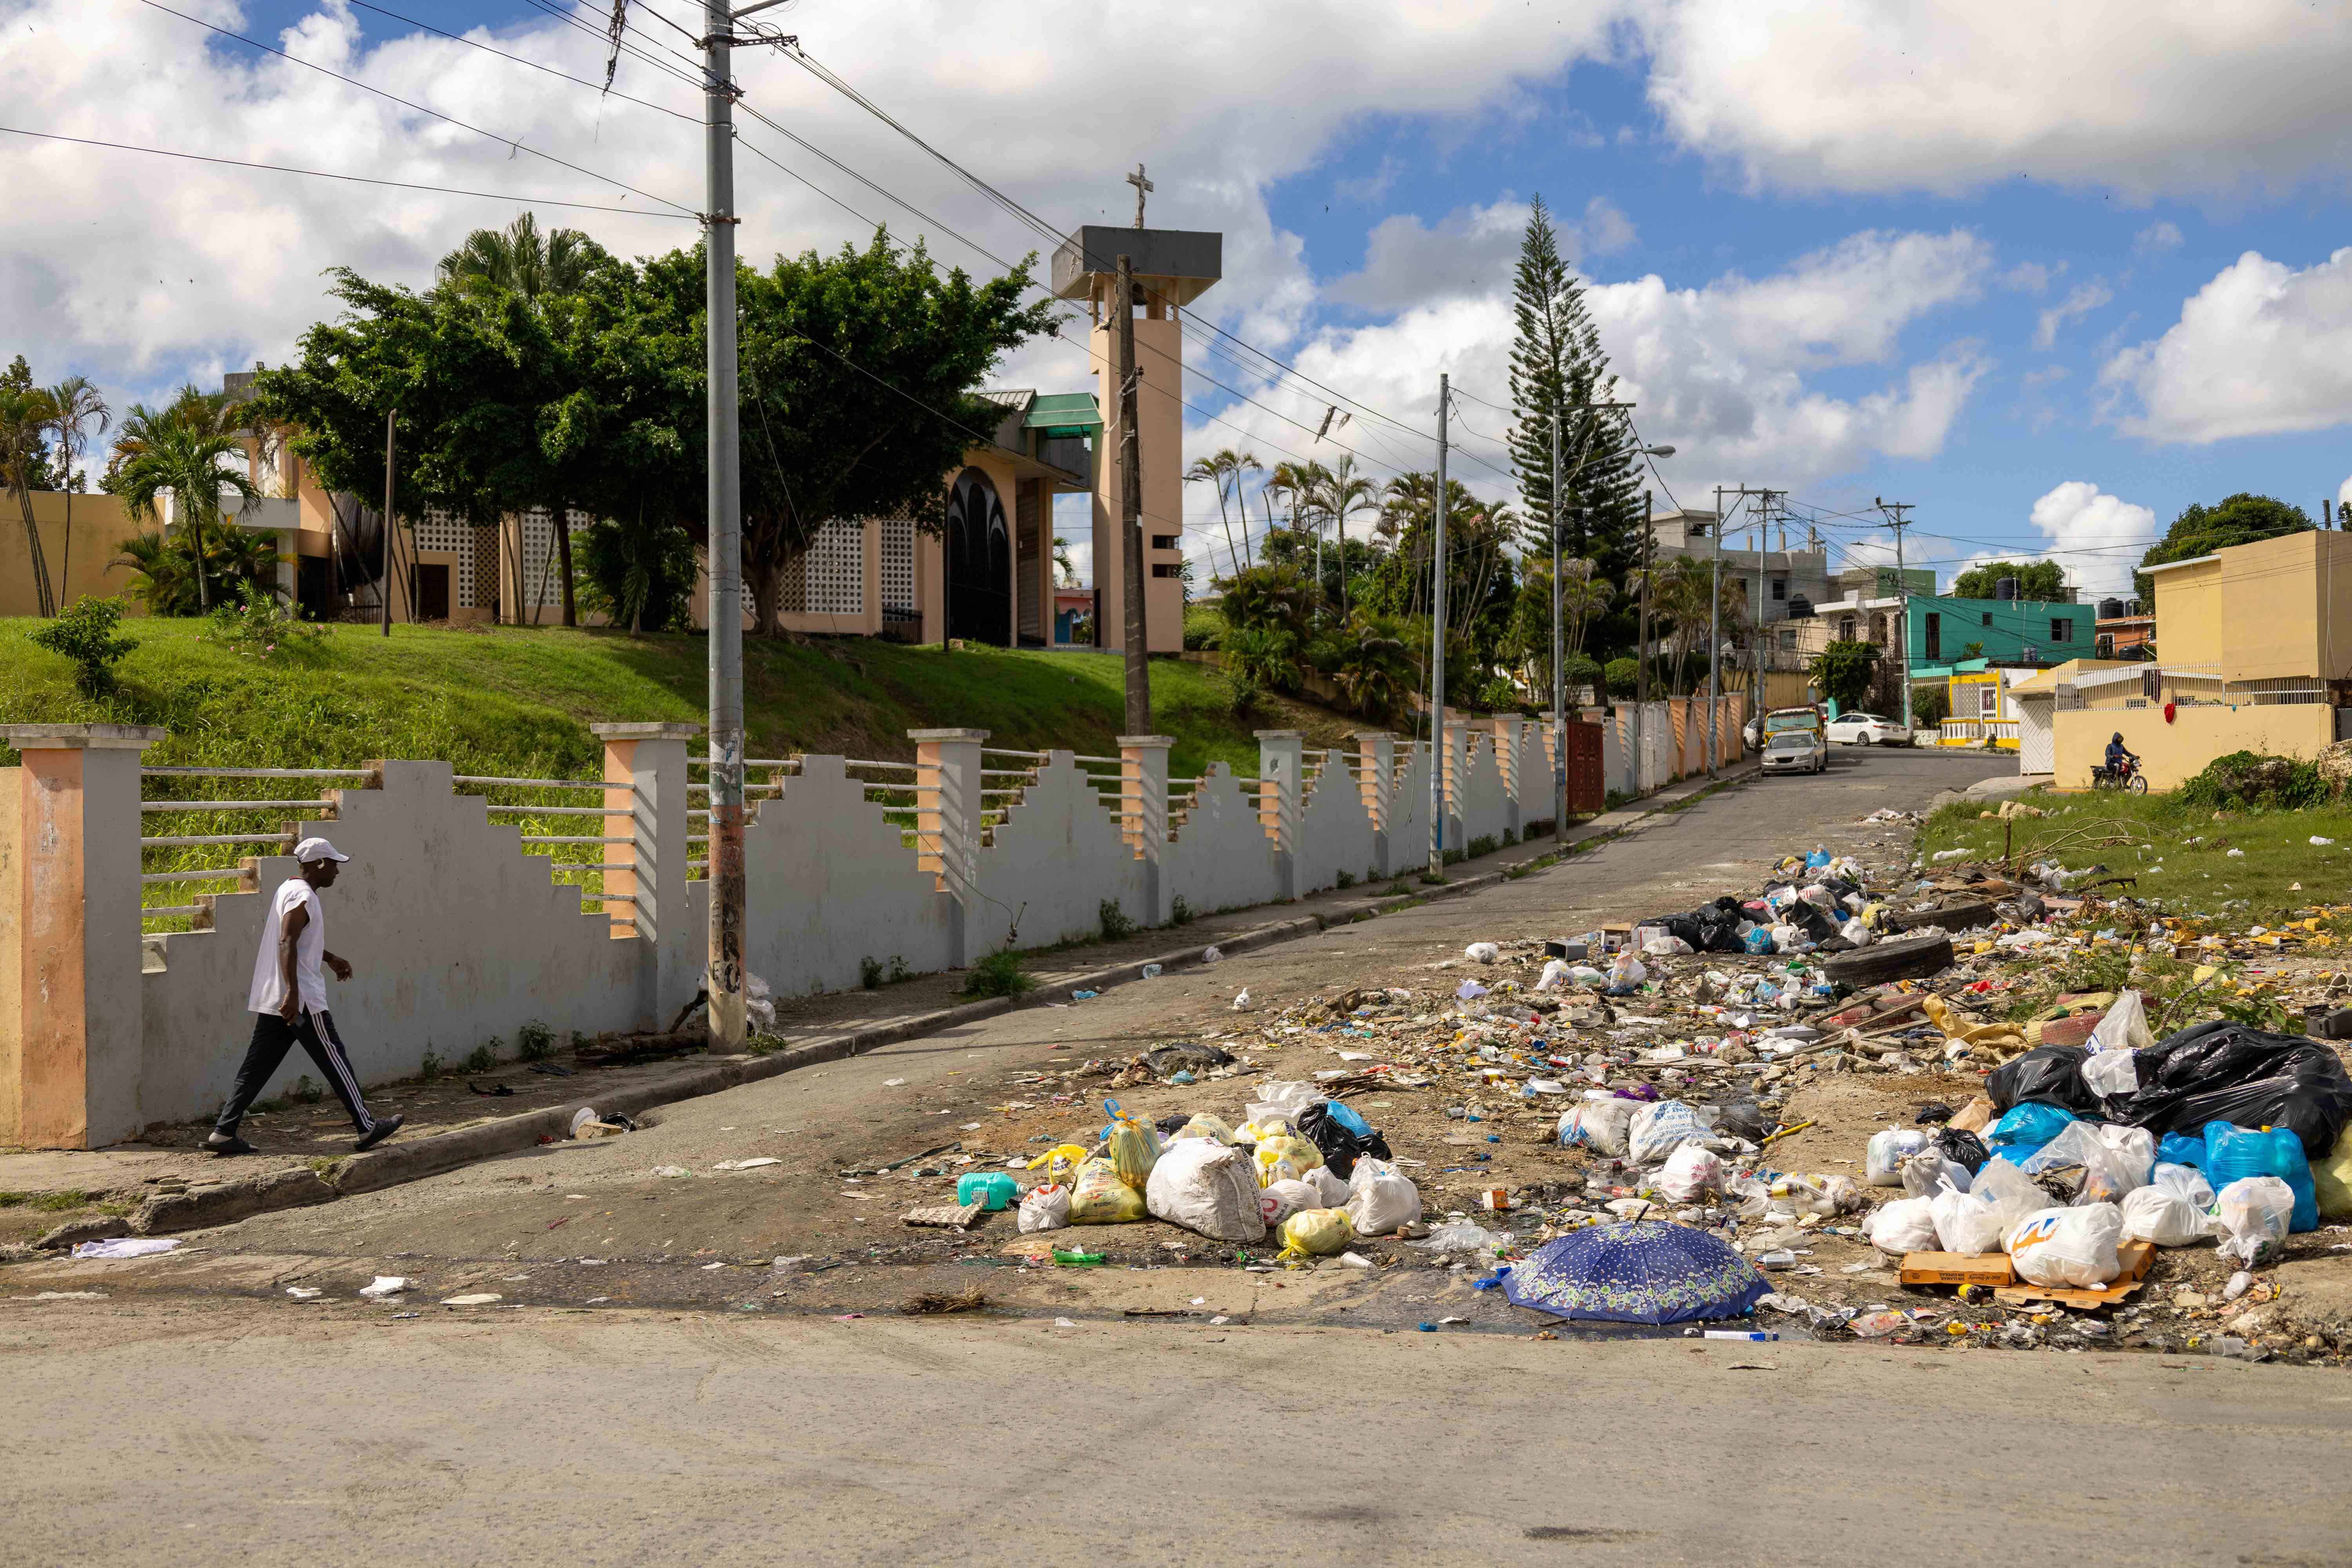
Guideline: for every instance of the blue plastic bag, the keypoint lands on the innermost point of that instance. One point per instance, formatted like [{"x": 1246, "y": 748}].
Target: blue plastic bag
[
  {"x": 1758, "y": 939},
  {"x": 2180, "y": 1149},
  {"x": 2232, "y": 1152},
  {"x": 1817, "y": 859},
  {"x": 2023, "y": 1129}
]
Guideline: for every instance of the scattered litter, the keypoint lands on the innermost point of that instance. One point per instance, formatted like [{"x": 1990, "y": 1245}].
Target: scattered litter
[
  {"x": 752, "y": 1163},
  {"x": 126, "y": 1247},
  {"x": 304, "y": 1292},
  {"x": 383, "y": 1287},
  {"x": 477, "y": 1298}
]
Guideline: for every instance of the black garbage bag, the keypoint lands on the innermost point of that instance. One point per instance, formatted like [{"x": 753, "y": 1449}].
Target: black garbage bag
[
  {"x": 1813, "y": 920},
  {"x": 2228, "y": 1071},
  {"x": 1343, "y": 1136},
  {"x": 1745, "y": 1119},
  {"x": 2046, "y": 1075},
  {"x": 1710, "y": 928},
  {"x": 1962, "y": 1148}
]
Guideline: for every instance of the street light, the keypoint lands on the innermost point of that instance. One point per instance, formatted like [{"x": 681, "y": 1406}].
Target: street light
[{"x": 1657, "y": 451}]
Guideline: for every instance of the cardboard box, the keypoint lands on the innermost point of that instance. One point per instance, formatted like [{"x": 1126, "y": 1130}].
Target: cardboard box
[
  {"x": 2138, "y": 1257},
  {"x": 1958, "y": 1268}
]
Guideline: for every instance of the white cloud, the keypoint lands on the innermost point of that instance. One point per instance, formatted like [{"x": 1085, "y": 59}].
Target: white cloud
[
  {"x": 2086, "y": 299},
  {"x": 2162, "y": 96},
  {"x": 1471, "y": 251},
  {"x": 2343, "y": 494},
  {"x": 2161, "y": 235},
  {"x": 2261, "y": 350},
  {"x": 1718, "y": 371},
  {"x": 2049, "y": 375},
  {"x": 2097, "y": 537},
  {"x": 2030, "y": 277},
  {"x": 140, "y": 271}
]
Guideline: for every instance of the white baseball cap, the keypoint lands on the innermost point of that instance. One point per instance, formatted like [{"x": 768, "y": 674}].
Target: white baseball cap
[{"x": 311, "y": 850}]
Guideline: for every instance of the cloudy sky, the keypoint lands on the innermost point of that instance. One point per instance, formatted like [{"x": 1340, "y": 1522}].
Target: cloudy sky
[{"x": 2049, "y": 272}]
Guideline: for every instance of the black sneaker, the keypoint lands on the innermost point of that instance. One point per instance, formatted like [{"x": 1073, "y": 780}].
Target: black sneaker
[
  {"x": 381, "y": 1128},
  {"x": 216, "y": 1145}
]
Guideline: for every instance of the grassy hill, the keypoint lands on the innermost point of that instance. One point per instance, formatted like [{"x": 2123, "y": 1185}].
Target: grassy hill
[{"x": 518, "y": 700}]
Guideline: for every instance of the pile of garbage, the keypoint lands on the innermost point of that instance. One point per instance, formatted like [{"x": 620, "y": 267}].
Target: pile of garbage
[{"x": 1301, "y": 1167}]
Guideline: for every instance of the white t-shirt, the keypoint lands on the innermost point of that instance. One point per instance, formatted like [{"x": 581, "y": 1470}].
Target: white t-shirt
[{"x": 268, "y": 994}]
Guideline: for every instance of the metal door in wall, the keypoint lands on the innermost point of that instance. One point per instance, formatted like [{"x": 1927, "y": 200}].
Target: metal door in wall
[
  {"x": 1587, "y": 794},
  {"x": 979, "y": 562}
]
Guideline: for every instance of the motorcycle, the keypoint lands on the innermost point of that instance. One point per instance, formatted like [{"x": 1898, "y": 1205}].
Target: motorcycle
[{"x": 2124, "y": 776}]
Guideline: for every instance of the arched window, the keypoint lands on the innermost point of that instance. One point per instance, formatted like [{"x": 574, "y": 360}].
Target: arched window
[{"x": 979, "y": 550}]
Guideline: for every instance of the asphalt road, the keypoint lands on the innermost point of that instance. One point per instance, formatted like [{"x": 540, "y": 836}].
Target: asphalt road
[
  {"x": 263, "y": 1434},
  {"x": 610, "y": 1200}
]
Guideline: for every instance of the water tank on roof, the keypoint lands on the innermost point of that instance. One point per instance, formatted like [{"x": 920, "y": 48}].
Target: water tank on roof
[
  {"x": 2111, "y": 609},
  {"x": 2005, "y": 588},
  {"x": 2136, "y": 609},
  {"x": 1800, "y": 607}
]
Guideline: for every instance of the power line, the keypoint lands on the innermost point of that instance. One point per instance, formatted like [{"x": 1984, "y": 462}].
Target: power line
[
  {"x": 513, "y": 145},
  {"x": 354, "y": 179},
  {"x": 518, "y": 59}
]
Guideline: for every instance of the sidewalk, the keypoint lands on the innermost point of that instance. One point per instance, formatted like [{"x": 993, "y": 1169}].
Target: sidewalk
[{"x": 162, "y": 1183}]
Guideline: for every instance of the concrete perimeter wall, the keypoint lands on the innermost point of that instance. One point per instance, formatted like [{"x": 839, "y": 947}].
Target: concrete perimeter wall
[{"x": 2172, "y": 753}]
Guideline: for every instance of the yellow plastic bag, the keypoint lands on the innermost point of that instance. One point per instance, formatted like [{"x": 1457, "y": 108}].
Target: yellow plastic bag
[
  {"x": 1316, "y": 1233},
  {"x": 1060, "y": 1163},
  {"x": 1134, "y": 1145},
  {"x": 2331, "y": 1178},
  {"x": 1259, "y": 1131},
  {"x": 1206, "y": 1126},
  {"x": 1285, "y": 1159},
  {"x": 1957, "y": 1026},
  {"x": 1099, "y": 1197}
]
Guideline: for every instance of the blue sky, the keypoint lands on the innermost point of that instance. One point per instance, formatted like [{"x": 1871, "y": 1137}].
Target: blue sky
[{"x": 2051, "y": 275}]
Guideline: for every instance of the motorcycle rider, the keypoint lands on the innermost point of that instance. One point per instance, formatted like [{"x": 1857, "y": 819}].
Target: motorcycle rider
[{"x": 2117, "y": 755}]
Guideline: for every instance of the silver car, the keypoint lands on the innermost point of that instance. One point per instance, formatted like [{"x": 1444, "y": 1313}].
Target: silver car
[{"x": 1796, "y": 752}]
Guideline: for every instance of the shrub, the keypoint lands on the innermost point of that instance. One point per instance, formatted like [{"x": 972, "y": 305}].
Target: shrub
[
  {"x": 641, "y": 576},
  {"x": 1179, "y": 913},
  {"x": 1205, "y": 627},
  {"x": 1623, "y": 676},
  {"x": 1116, "y": 924},
  {"x": 869, "y": 973},
  {"x": 2247, "y": 778},
  {"x": 256, "y": 625},
  {"x": 429, "y": 1069},
  {"x": 1485, "y": 843},
  {"x": 998, "y": 975},
  {"x": 1345, "y": 880},
  {"x": 899, "y": 969},
  {"x": 1269, "y": 656},
  {"x": 85, "y": 634},
  {"x": 1243, "y": 694},
  {"x": 305, "y": 1091},
  {"x": 534, "y": 1042},
  {"x": 484, "y": 1057}
]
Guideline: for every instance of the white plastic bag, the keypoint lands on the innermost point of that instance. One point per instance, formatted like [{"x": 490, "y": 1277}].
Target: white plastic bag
[
  {"x": 1666, "y": 945},
  {"x": 1883, "y": 1165},
  {"x": 1045, "y": 1206},
  {"x": 1206, "y": 1187},
  {"x": 1965, "y": 1223},
  {"x": 1929, "y": 1169},
  {"x": 1281, "y": 1102},
  {"x": 2125, "y": 1028},
  {"x": 1857, "y": 932},
  {"x": 2253, "y": 1213},
  {"x": 1660, "y": 1128},
  {"x": 2111, "y": 1075},
  {"x": 1279, "y": 1201},
  {"x": 1906, "y": 1224},
  {"x": 2107, "y": 1173},
  {"x": 2135, "y": 1146},
  {"x": 1330, "y": 1187},
  {"x": 1625, "y": 972},
  {"x": 1555, "y": 974},
  {"x": 2161, "y": 1216},
  {"x": 2070, "y": 1247},
  {"x": 1482, "y": 952},
  {"x": 1381, "y": 1198},
  {"x": 2187, "y": 1181},
  {"x": 2009, "y": 1192},
  {"x": 1599, "y": 1125},
  {"x": 1689, "y": 1172}
]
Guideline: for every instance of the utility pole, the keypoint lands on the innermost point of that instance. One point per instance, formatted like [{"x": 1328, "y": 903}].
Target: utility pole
[
  {"x": 1895, "y": 511},
  {"x": 1642, "y": 664},
  {"x": 1130, "y": 505},
  {"x": 1715, "y": 641},
  {"x": 1558, "y": 653},
  {"x": 1437, "y": 652},
  {"x": 384, "y": 583},
  {"x": 723, "y": 982}
]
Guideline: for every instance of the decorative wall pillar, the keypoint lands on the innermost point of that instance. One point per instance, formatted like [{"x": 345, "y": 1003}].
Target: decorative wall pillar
[
  {"x": 1506, "y": 728},
  {"x": 947, "y": 811},
  {"x": 1454, "y": 757},
  {"x": 1376, "y": 781},
  {"x": 72, "y": 1005},
  {"x": 1282, "y": 799},
  {"x": 648, "y": 803},
  {"x": 1143, "y": 815}
]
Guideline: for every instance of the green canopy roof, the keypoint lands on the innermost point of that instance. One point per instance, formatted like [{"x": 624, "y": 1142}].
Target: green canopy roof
[{"x": 1064, "y": 414}]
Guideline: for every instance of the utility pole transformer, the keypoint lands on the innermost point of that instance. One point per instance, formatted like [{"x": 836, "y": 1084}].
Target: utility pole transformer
[
  {"x": 1437, "y": 653},
  {"x": 1130, "y": 505},
  {"x": 723, "y": 982}
]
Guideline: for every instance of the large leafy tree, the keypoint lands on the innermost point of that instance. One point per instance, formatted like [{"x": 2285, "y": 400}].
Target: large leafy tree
[
  {"x": 860, "y": 371},
  {"x": 2036, "y": 580},
  {"x": 2200, "y": 529},
  {"x": 1559, "y": 370}
]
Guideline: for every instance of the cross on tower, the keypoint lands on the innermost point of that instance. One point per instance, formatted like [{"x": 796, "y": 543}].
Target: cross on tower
[{"x": 1141, "y": 186}]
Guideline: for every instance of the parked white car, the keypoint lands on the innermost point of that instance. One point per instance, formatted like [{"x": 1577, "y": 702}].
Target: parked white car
[
  {"x": 1796, "y": 752},
  {"x": 1867, "y": 730}
]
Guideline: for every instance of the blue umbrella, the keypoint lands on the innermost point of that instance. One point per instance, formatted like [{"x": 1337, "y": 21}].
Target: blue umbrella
[{"x": 1637, "y": 1271}]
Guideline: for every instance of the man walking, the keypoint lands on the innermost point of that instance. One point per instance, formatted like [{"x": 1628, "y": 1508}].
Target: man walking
[{"x": 288, "y": 1000}]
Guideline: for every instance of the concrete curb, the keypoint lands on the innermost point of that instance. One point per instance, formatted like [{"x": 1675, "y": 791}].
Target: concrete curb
[{"x": 398, "y": 1164}]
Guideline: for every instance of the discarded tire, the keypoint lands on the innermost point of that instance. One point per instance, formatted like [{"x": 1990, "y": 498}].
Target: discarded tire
[
  {"x": 1906, "y": 958},
  {"x": 1952, "y": 916}
]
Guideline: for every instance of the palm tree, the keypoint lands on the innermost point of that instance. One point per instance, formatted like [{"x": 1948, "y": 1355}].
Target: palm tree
[
  {"x": 1214, "y": 470},
  {"x": 1063, "y": 563},
  {"x": 518, "y": 259},
  {"x": 537, "y": 269},
  {"x": 25, "y": 415},
  {"x": 1345, "y": 493},
  {"x": 74, "y": 403},
  {"x": 180, "y": 457}
]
